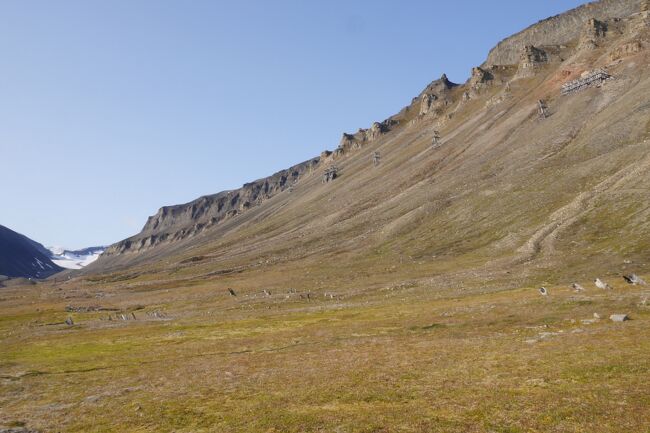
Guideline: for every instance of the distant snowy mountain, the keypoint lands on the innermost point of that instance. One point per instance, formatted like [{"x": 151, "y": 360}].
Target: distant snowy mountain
[{"x": 76, "y": 259}]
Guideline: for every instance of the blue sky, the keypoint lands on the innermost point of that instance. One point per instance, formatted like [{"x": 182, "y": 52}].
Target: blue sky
[{"x": 112, "y": 109}]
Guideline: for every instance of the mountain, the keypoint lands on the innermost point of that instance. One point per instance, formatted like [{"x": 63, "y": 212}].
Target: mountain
[
  {"x": 502, "y": 187},
  {"x": 74, "y": 259},
  {"x": 23, "y": 257},
  {"x": 474, "y": 263}
]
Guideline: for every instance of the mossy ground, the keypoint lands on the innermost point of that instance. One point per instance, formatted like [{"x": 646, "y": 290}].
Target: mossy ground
[{"x": 401, "y": 358}]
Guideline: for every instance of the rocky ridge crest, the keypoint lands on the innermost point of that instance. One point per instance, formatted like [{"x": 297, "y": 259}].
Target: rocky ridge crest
[{"x": 523, "y": 55}]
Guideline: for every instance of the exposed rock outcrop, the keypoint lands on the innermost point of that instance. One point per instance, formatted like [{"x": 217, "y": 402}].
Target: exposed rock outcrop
[
  {"x": 376, "y": 130},
  {"x": 537, "y": 48},
  {"x": 594, "y": 30},
  {"x": 427, "y": 102},
  {"x": 173, "y": 223},
  {"x": 364, "y": 136},
  {"x": 531, "y": 58},
  {"x": 480, "y": 78},
  {"x": 434, "y": 97},
  {"x": 560, "y": 29},
  {"x": 626, "y": 50},
  {"x": 349, "y": 141}
]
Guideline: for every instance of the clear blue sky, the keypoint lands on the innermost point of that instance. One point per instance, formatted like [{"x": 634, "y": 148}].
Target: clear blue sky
[{"x": 112, "y": 109}]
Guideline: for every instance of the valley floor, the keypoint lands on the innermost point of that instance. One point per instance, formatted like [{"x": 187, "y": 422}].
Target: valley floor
[{"x": 400, "y": 358}]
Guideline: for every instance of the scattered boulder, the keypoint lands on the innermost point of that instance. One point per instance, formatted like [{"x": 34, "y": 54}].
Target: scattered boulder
[
  {"x": 156, "y": 314},
  {"x": 577, "y": 287},
  {"x": 69, "y": 321},
  {"x": 232, "y": 292},
  {"x": 601, "y": 284},
  {"x": 633, "y": 279},
  {"x": 619, "y": 317},
  {"x": 543, "y": 291}
]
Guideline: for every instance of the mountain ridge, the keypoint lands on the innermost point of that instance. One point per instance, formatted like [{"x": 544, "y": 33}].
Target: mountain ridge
[
  {"x": 560, "y": 29},
  {"x": 441, "y": 106},
  {"x": 474, "y": 263}
]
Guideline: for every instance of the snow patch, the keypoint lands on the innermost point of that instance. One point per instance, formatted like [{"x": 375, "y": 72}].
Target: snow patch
[{"x": 75, "y": 259}]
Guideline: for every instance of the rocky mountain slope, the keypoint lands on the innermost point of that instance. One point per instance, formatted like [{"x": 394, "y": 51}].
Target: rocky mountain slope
[
  {"x": 468, "y": 176},
  {"x": 561, "y": 29},
  {"x": 23, "y": 257}
]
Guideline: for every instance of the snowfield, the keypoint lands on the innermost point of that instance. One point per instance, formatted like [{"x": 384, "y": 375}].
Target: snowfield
[{"x": 75, "y": 259}]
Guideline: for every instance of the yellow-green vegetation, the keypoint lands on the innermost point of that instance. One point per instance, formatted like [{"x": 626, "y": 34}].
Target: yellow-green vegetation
[{"x": 402, "y": 358}]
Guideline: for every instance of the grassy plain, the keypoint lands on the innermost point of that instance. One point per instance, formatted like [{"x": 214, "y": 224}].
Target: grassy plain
[{"x": 400, "y": 358}]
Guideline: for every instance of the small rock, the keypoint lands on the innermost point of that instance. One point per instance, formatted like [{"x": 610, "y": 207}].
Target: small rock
[
  {"x": 69, "y": 321},
  {"x": 577, "y": 287},
  {"x": 544, "y": 335},
  {"x": 543, "y": 291},
  {"x": 633, "y": 279},
  {"x": 619, "y": 317},
  {"x": 601, "y": 284}
]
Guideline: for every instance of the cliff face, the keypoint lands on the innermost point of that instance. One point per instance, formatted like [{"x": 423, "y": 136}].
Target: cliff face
[
  {"x": 560, "y": 29},
  {"x": 174, "y": 223}
]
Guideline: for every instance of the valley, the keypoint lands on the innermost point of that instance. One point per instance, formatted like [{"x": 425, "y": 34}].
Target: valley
[{"x": 402, "y": 294}]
